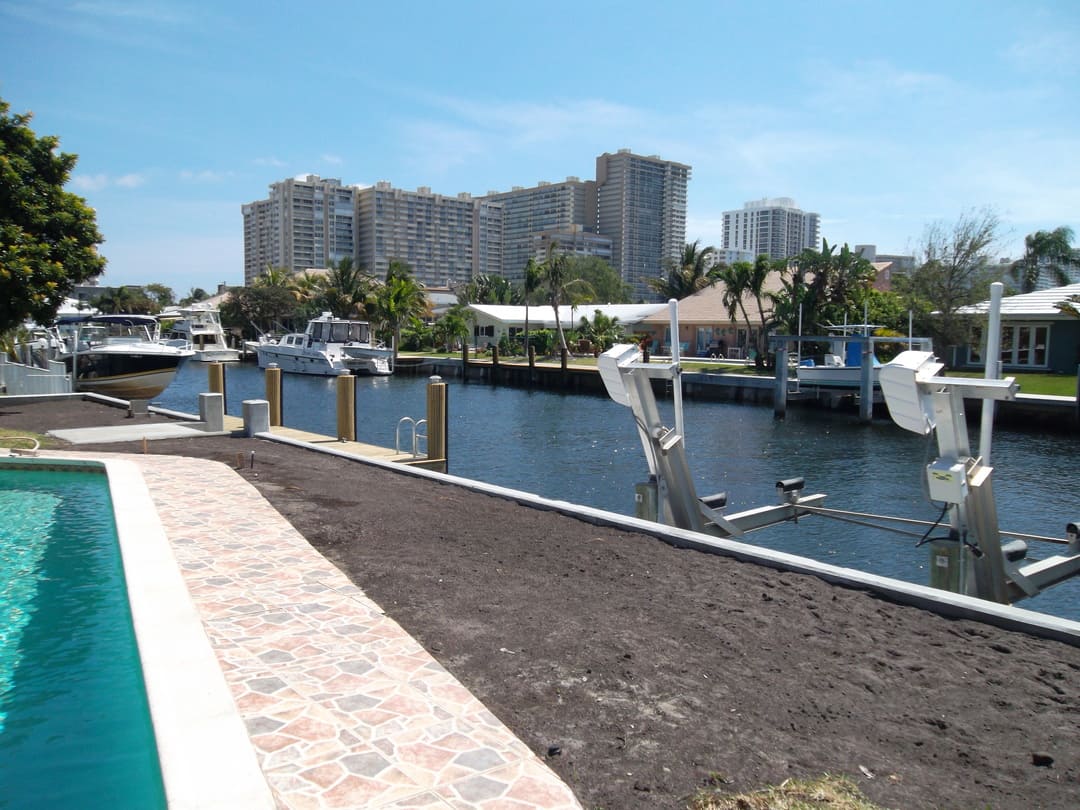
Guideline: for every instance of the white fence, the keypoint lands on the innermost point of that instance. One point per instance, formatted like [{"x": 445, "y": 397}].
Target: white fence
[{"x": 16, "y": 378}]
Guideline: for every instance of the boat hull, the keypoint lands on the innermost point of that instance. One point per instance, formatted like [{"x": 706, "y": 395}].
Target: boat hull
[
  {"x": 296, "y": 363},
  {"x": 126, "y": 376},
  {"x": 834, "y": 376}
]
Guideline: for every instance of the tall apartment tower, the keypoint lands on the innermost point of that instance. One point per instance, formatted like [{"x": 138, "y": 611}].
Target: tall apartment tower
[
  {"x": 306, "y": 222},
  {"x": 641, "y": 206},
  {"x": 773, "y": 227},
  {"x": 567, "y": 207},
  {"x": 445, "y": 240}
]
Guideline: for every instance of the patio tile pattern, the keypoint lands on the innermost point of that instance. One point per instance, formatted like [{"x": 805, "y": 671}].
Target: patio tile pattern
[{"x": 343, "y": 707}]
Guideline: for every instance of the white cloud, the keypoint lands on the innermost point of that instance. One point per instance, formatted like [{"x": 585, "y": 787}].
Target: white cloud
[
  {"x": 273, "y": 162},
  {"x": 204, "y": 176},
  {"x": 333, "y": 160},
  {"x": 90, "y": 182},
  {"x": 130, "y": 180}
]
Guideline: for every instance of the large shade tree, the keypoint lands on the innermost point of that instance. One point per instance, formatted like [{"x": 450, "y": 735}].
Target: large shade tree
[{"x": 48, "y": 236}]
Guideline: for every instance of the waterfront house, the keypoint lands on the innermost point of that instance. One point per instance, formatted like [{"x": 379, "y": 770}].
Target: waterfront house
[
  {"x": 1035, "y": 334},
  {"x": 492, "y": 322},
  {"x": 706, "y": 328}
]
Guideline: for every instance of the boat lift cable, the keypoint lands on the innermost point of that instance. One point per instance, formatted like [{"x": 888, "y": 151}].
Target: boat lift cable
[{"x": 867, "y": 518}]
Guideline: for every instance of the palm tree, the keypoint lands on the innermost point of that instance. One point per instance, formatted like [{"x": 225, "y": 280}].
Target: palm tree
[
  {"x": 530, "y": 284},
  {"x": 400, "y": 299},
  {"x": 560, "y": 287},
  {"x": 602, "y": 331},
  {"x": 273, "y": 277},
  {"x": 347, "y": 290},
  {"x": 687, "y": 276},
  {"x": 1045, "y": 251}
]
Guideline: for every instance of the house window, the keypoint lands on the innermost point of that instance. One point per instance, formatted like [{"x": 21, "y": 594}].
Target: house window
[{"x": 1024, "y": 345}]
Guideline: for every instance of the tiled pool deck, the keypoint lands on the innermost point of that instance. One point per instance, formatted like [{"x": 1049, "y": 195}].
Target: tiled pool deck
[{"x": 343, "y": 707}]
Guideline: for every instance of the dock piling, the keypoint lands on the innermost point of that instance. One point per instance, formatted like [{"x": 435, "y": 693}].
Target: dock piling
[
  {"x": 215, "y": 378},
  {"x": 781, "y": 390},
  {"x": 273, "y": 393},
  {"x": 346, "y": 408},
  {"x": 437, "y": 420}
]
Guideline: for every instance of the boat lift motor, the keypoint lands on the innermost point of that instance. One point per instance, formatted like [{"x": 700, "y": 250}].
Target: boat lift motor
[
  {"x": 921, "y": 401},
  {"x": 628, "y": 381}
]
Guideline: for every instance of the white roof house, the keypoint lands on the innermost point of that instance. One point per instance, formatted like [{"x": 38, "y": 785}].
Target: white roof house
[
  {"x": 1039, "y": 304},
  {"x": 493, "y": 321}
]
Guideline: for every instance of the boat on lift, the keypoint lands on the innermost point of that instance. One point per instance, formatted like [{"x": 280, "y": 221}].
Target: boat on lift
[
  {"x": 328, "y": 347},
  {"x": 117, "y": 355},
  {"x": 841, "y": 365}
]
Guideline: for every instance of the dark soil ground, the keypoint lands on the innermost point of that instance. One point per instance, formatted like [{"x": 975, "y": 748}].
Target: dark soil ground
[{"x": 640, "y": 672}]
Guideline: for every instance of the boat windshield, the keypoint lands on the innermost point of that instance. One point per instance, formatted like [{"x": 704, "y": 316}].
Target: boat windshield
[{"x": 341, "y": 332}]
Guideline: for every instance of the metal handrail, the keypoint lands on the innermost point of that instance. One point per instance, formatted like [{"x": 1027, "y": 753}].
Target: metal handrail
[{"x": 415, "y": 425}]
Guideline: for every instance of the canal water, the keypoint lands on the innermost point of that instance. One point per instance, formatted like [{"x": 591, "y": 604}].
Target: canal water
[{"x": 585, "y": 449}]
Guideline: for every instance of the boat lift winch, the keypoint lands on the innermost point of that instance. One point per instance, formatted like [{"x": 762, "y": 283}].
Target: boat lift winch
[
  {"x": 670, "y": 496},
  {"x": 972, "y": 560}
]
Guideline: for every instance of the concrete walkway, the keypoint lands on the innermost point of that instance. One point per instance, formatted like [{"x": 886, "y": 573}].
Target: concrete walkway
[{"x": 344, "y": 709}]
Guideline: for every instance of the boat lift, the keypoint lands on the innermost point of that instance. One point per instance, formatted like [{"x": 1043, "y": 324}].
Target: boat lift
[
  {"x": 670, "y": 496},
  {"x": 972, "y": 560}
]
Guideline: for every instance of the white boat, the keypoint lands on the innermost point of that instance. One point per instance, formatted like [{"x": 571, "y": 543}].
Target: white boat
[
  {"x": 117, "y": 355},
  {"x": 328, "y": 347},
  {"x": 841, "y": 365},
  {"x": 199, "y": 328}
]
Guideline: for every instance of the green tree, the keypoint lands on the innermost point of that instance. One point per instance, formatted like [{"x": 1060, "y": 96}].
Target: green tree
[
  {"x": 484, "y": 289},
  {"x": 162, "y": 296},
  {"x": 604, "y": 280},
  {"x": 688, "y": 275},
  {"x": 956, "y": 271},
  {"x": 401, "y": 298},
  {"x": 452, "y": 327},
  {"x": 744, "y": 280},
  {"x": 1049, "y": 252},
  {"x": 256, "y": 309},
  {"x": 48, "y": 236},
  {"x": 603, "y": 331},
  {"x": 560, "y": 287},
  {"x": 273, "y": 277},
  {"x": 128, "y": 299},
  {"x": 347, "y": 290},
  {"x": 532, "y": 282},
  {"x": 195, "y": 294}
]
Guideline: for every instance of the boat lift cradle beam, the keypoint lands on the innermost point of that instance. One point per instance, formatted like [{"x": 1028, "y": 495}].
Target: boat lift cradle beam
[
  {"x": 629, "y": 382},
  {"x": 921, "y": 401}
]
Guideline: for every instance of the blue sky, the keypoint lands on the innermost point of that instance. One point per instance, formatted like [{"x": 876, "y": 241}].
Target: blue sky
[{"x": 881, "y": 116}]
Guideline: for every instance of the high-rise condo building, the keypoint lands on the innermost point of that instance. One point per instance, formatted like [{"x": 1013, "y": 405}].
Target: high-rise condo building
[
  {"x": 306, "y": 222},
  {"x": 773, "y": 227},
  {"x": 565, "y": 207},
  {"x": 641, "y": 207},
  {"x": 444, "y": 240}
]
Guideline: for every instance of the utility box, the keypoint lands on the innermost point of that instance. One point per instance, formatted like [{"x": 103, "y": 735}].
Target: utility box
[
  {"x": 645, "y": 501},
  {"x": 947, "y": 481}
]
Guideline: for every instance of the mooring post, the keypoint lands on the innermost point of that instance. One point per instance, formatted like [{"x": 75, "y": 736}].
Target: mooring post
[
  {"x": 1077, "y": 411},
  {"x": 866, "y": 380},
  {"x": 346, "y": 408},
  {"x": 532, "y": 356},
  {"x": 562, "y": 358},
  {"x": 780, "y": 391},
  {"x": 437, "y": 420},
  {"x": 215, "y": 373},
  {"x": 464, "y": 357},
  {"x": 273, "y": 393},
  {"x": 494, "y": 356}
]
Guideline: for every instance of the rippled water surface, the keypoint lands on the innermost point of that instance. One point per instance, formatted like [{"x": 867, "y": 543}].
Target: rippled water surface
[{"x": 585, "y": 449}]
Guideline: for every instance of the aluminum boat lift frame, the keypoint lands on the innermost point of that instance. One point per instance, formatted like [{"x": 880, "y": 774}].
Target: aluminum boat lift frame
[{"x": 629, "y": 382}]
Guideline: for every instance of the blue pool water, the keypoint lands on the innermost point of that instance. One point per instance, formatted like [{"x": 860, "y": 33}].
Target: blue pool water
[{"x": 75, "y": 728}]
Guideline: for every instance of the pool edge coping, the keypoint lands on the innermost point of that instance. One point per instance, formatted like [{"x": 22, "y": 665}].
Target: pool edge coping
[{"x": 205, "y": 754}]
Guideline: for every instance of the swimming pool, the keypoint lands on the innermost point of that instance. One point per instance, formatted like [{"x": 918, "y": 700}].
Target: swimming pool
[{"x": 75, "y": 725}]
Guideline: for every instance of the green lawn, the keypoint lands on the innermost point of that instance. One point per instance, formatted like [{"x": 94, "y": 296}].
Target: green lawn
[{"x": 1062, "y": 385}]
